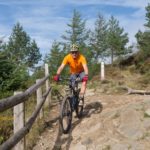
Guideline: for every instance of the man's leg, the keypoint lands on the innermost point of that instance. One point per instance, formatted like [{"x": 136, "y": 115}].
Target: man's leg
[
  {"x": 83, "y": 86},
  {"x": 83, "y": 89},
  {"x": 72, "y": 79},
  {"x": 82, "y": 92}
]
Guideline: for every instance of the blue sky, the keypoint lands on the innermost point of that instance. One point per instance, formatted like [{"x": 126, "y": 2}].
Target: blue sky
[{"x": 46, "y": 20}]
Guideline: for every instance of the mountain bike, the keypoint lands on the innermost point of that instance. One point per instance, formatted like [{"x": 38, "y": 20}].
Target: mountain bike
[{"x": 70, "y": 104}]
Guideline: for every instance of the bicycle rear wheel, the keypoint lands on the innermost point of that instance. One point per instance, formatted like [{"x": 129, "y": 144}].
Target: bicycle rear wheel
[{"x": 65, "y": 115}]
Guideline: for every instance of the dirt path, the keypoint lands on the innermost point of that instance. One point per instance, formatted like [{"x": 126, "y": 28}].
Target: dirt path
[{"x": 110, "y": 122}]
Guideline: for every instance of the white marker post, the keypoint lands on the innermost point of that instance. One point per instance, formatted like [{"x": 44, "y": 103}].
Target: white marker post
[
  {"x": 102, "y": 71},
  {"x": 48, "y": 100},
  {"x": 39, "y": 98},
  {"x": 19, "y": 120}
]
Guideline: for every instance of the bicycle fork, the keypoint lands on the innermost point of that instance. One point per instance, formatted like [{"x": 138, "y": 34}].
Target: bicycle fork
[{"x": 74, "y": 102}]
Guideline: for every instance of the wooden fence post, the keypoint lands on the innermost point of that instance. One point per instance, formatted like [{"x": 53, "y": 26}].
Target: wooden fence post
[
  {"x": 19, "y": 121},
  {"x": 48, "y": 100},
  {"x": 102, "y": 71},
  {"x": 39, "y": 98}
]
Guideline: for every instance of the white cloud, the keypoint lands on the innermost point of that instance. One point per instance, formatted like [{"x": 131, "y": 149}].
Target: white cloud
[
  {"x": 33, "y": 2},
  {"x": 57, "y": 24},
  {"x": 135, "y": 3},
  {"x": 140, "y": 13},
  {"x": 126, "y": 3},
  {"x": 44, "y": 31}
]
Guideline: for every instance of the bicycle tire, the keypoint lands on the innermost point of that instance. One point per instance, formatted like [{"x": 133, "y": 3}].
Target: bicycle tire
[{"x": 65, "y": 115}]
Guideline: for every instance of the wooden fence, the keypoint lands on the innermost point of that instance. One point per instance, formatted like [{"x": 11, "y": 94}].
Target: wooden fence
[{"x": 17, "y": 101}]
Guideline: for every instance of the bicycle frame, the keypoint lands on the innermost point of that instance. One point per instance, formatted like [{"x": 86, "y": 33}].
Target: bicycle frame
[{"x": 74, "y": 91}]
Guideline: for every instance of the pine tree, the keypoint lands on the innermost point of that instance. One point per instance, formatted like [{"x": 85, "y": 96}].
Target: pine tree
[
  {"x": 55, "y": 57},
  {"x": 98, "y": 38},
  {"x": 5, "y": 70},
  {"x": 77, "y": 32},
  {"x": 143, "y": 38},
  {"x": 12, "y": 77},
  {"x": 16, "y": 57},
  {"x": 117, "y": 39},
  {"x": 20, "y": 49},
  {"x": 148, "y": 16},
  {"x": 33, "y": 54}
]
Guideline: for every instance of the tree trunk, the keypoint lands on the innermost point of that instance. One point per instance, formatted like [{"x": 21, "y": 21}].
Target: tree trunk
[{"x": 134, "y": 91}]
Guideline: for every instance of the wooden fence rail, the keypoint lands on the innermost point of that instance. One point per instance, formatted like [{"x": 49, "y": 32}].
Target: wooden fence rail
[
  {"x": 20, "y": 98},
  {"x": 12, "y": 141}
]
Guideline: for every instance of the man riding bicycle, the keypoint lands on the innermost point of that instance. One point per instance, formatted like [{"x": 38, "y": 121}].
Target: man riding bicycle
[{"x": 78, "y": 68}]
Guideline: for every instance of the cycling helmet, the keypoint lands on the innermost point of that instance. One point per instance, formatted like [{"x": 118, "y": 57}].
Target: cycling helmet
[{"x": 74, "y": 47}]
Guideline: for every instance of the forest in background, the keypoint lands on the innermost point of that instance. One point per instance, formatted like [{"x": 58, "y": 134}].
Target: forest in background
[{"x": 108, "y": 41}]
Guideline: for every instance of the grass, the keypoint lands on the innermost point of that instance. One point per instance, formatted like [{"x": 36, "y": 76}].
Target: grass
[
  {"x": 38, "y": 126},
  {"x": 146, "y": 115},
  {"x": 145, "y": 135},
  {"x": 107, "y": 147},
  {"x": 129, "y": 147},
  {"x": 36, "y": 130},
  {"x": 6, "y": 125},
  {"x": 6, "y": 130},
  {"x": 116, "y": 115},
  {"x": 115, "y": 78}
]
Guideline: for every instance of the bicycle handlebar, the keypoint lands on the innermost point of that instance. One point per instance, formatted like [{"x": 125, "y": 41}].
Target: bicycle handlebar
[{"x": 78, "y": 79}]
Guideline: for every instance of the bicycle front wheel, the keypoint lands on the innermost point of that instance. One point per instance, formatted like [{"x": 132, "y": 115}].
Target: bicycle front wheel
[
  {"x": 65, "y": 115},
  {"x": 79, "y": 109}
]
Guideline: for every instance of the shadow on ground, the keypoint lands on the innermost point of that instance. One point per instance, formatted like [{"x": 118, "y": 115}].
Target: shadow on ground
[{"x": 89, "y": 109}]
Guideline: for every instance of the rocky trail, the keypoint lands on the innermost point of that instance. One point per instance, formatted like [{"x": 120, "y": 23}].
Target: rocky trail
[{"x": 109, "y": 122}]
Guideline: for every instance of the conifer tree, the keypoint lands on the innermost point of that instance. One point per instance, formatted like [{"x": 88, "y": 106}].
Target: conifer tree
[
  {"x": 20, "y": 49},
  {"x": 76, "y": 33},
  {"x": 55, "y": 57},
  {"x": 148, "y": 16},
  {"x": 117, "y": 39},
  {"x": 16, "y": 57},
  {"x": 143, "y": 38},
  {"x": 98, "y": 40}
]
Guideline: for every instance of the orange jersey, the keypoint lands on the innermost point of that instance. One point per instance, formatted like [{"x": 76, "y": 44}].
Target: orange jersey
[{"x": 76, "y": 65}]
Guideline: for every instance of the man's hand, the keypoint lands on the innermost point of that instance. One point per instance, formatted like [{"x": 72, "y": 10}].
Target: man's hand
[
  {"x": 56, "y": 78},
  {"x": 85, "y": 78}
]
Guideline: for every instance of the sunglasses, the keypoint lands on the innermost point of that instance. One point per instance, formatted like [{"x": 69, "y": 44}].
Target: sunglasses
[{"x": 74, "y": 52}]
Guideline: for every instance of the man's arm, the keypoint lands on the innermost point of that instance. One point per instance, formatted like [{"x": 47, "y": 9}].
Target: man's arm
[
  {"x": 85, "y": 69},
  {"x": 60, "y": 69}
]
